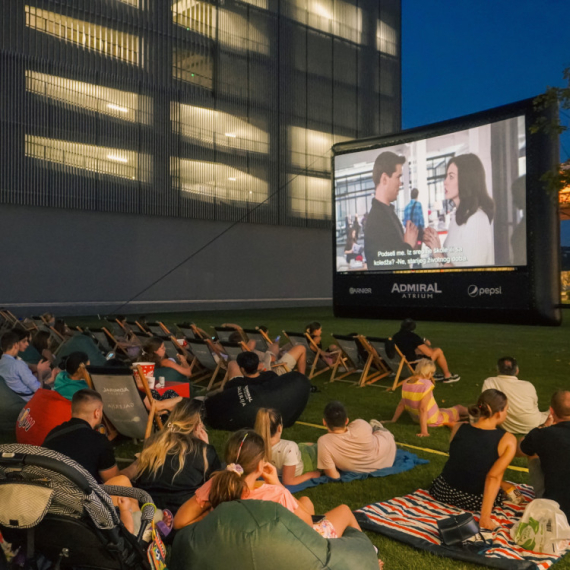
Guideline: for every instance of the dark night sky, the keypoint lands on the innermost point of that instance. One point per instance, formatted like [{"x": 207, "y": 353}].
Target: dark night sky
[{"x": 464, "y": 56}]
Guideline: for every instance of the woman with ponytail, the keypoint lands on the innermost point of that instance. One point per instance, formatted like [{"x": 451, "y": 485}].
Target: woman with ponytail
[
  {"x": 294, "y": 463},
  {"x": 178, "y": 459},
  {"x": 479, "y": 453},
  {"x": 245, "y": 455},
  {"x": 71, "y": 378}
]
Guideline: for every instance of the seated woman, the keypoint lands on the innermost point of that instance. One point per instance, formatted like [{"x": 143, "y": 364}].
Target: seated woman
[
  {"x": 177, "y": 460},
  {"x": 154, "y": 351},
  {"x": 293, "y": 465},
  {"x": 71, "y": 379},
  {"x": 315, "y": 331},
  {"x": 41, "y": 341},
  {"x": 418, "y": 401},
  {"x": 352, "y": 250},
  {"x": 245, "y": 453},
  {"x": 479, "y": 453}
]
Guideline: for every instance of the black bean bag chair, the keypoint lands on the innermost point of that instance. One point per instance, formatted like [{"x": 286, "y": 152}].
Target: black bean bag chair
[
  {"x": 10, "y": 407},
  {"x": 262, "y": 535},
  {"x": 236, "y": 407}
]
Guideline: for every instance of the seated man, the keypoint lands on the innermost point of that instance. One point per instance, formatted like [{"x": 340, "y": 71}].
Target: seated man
[
  {"x": 549, "y": 450},
  {"x": 414, "y": 346},
  {"x": 356, "y": 446},
  {"x": 523, "y": 414},
  {"x": 79, "y": 439},
  {"x": 16, "y": 373},
  {"x": 296, "y": 356},
  {"x": 245, "y": 370}
]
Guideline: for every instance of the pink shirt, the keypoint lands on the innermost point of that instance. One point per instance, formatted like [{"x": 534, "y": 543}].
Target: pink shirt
[{"x": 265, "y": 492}]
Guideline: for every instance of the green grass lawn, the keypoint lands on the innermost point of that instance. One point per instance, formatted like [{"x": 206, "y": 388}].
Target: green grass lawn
[{"x": 471, "y": 349}]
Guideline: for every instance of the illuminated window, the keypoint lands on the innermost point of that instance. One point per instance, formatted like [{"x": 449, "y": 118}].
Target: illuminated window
[
  {"x": 310, "y": 196},
  {"x": 199, "y": 17},
  {"x": 119, "y": 104},
  {"x": 134, "y": 3},
  {"x": 194, "y": 66},
  {"x": 115, "y": 162},
  {"x": 311, "y": 150},
  {"x": 210, "y": 127},
  {"x": 214, "y": 181},
  {"x": 338, "y": 18},
  {"x": 263, "y": 4},
  {"x": 85, "y": 34},
  {"x": 386, "y": 39}
]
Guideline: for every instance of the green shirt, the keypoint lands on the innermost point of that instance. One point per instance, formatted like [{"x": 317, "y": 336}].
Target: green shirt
[{"x": 66, "y": 386}]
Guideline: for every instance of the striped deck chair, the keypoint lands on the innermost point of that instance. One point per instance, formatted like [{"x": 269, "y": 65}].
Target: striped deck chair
[
  {"x": 202, "y": 350},
  {"x": 315, "y": 356},
  {"x": 394, "y": 360},
  {"x": 349, "y": 359}
]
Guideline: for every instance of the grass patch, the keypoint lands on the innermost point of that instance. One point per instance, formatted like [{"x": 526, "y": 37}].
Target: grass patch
[{"x": 472, "y": 351}]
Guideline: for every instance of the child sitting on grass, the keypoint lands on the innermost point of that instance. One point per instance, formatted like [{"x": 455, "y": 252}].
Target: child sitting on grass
[
  {"x": 295, "y": 464},
  {"x": 418, "y": 401}
]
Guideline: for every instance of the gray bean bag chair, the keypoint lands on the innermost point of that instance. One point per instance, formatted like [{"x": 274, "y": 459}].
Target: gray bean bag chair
[
  {"x": 10, "y": 407},
  {"x": 81, "y": 343},
  {"x": 262, "y": 535}
]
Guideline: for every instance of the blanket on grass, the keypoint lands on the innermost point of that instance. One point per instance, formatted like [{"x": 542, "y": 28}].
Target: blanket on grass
[
  {"x": 405, "y": 460},
  {"x": 413, "y": 520}
]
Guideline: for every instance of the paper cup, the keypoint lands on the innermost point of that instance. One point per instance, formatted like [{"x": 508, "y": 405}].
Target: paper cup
[
  {"x": 150, "y": 381},
  {"x": 147, "y": 368}
]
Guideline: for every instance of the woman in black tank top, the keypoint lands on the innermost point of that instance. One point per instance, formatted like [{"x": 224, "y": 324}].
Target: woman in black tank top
[{"x": 479, "y": 453}]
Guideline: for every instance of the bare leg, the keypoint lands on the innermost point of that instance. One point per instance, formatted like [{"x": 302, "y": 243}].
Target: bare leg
[
  {"x": 126, "y": 513},
  {"x": 299, "y": 353},
  {"x": 341, "y": 517},
  {"x": 307, "y": 504},
  {"x": 122, "y": 481},
  {"x": 163, "y": 405},
  {"x": 439, "y": 358},
  {"x": 463, "y": 413}
]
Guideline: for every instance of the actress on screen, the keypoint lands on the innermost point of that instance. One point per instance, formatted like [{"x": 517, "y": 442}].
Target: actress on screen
[{"x": 470, "y": 234}]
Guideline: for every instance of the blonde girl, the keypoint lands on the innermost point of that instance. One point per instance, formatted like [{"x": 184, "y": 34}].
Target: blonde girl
[
  {"x": 178, "y": 459},
  {"x": 418, "y": 401},
  {"x": 295, "y": 464}
]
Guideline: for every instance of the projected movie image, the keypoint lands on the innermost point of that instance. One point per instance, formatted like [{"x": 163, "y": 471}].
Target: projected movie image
[{"x": 452, "y": 201}]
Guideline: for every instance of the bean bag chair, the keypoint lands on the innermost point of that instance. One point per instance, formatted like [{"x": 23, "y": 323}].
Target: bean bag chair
[
  {"x": 10, "y": 407},
  {"x": 236, "y": 407},
  {"x": 46, "y": 410},
  {"x": 262, "y": 535},
  {"x": 82, "y": 343}
]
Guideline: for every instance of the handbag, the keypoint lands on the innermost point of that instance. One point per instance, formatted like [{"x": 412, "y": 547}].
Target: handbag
[{"x": 455, "y": 530}]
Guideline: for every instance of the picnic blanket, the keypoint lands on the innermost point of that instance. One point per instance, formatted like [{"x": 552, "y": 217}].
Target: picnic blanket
[
  {"x": 405, "y": 460},
  {"x": 413, "y": 519}
]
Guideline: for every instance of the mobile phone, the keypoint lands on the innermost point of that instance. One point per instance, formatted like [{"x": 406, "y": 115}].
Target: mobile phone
[{"x": 277, "y": 338}]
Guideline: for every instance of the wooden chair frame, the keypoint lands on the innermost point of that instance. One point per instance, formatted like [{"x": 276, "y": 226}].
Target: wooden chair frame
[
  {"x": 313, "y": 349},
  {"x": 346, "y": 361},
  {"x": 374, "y": 360}
]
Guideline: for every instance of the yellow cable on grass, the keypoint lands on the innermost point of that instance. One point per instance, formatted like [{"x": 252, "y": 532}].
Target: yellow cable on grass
[{"x": 427, "y": 450}]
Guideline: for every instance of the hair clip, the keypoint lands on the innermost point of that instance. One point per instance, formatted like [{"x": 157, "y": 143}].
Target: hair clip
[
  {"x": 235, "y": 468},
  {"x": 240, "y": 446}
]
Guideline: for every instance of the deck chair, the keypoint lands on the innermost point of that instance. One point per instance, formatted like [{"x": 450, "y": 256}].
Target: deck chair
[
  {"x": 262, "y": 341},
  {"x": 202, "y": 350},
  {"x": 394, "y": 360},
  {"x": 158, "y": 329},
  {"x": 121, "y": 400},
  {"x": 137, "y": 328},
  {"x": 224, "y": 333},
  {"x": 186, "y": 330},
  {"x": 199, "y": 373},
  {"x": 105, "y": 340},
  {"x": 53, "y": 509},
  {"x": 375, "y": 368},
  {"x": 115, "y": 326},
  {"x": 315, "y": 356},
  {"x": 349, "y": 359}
]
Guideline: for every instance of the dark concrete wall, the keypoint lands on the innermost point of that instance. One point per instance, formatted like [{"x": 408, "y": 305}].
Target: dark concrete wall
[{"x": 78, "y": 262}]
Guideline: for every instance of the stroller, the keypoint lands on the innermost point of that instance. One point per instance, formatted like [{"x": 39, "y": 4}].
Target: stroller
[{"x": 55, "y": 515}]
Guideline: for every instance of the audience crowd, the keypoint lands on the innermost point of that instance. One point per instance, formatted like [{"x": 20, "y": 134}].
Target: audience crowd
[{"x": 182, "y": 472}]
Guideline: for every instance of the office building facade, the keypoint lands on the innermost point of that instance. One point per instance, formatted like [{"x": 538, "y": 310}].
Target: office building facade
[{"x": 183, "y": 117}]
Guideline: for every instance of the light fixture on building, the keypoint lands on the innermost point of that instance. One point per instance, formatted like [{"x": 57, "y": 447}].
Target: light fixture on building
[
  {"x": 232, "y": 135},
  {"x": 117, "y": 158},
  {"x": 117, "y": 108},
  {"x": 232, "y": 179}
]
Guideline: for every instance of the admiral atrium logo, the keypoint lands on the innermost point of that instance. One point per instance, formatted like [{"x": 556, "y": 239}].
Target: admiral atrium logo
[{"x": 416, "y": 290}]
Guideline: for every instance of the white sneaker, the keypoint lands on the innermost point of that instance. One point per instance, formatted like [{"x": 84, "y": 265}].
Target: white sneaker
[
  {"x": 451, "y": 379},
  {"x": 376, "y": 426}
]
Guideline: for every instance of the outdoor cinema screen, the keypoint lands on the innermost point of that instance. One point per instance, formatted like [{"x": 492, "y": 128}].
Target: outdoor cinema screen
[{"x": 453, "y": 200}]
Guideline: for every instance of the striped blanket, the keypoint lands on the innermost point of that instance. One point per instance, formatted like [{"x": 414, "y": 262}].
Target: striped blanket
[{"x": 413, "y": 519}]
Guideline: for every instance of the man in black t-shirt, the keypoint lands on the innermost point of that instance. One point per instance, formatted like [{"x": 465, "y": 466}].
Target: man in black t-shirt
[
  {"x": 413, "y": 347},
  {"x": 244, "y": 371},
  {"x": 79, "y": 440},
  {"x": 549, "y": 450}
]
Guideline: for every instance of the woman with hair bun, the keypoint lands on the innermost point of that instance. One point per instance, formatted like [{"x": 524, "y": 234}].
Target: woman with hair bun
[
  {"x": 479, "y": 453},
  {"x": 245, "y": 455},
  {"x": 470, "y": 234}
]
